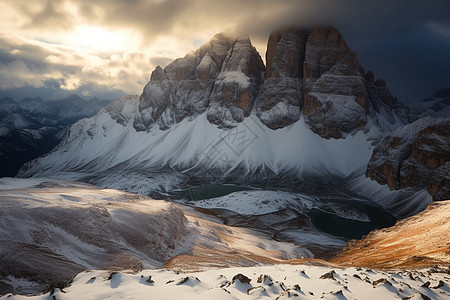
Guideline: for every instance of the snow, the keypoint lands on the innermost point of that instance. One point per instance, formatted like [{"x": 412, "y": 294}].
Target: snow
[
  {"x": 235, "y": 77},
  {"x": 69, "y": 226},
  {"x": 16, "y": 120},
  {"x": 196, "y": 143},
  {"x": 400, "y": 203},
  {"x": 280, "y": 282},
  {"x": 256, "y": 202},
  {"x": 9, "y": 183}
]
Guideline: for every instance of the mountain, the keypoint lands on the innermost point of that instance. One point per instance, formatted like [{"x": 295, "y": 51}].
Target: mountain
[
  {"x": 415, "y": 156},
  {"x": 415, "y": 242},
  {"x": 34, "y": 126},
  {"x": 51, "y": 230},
  {"x": 435, "y": 106},
  {"x": 308, "y": 121},
  {"x": 62, "y": 239}
]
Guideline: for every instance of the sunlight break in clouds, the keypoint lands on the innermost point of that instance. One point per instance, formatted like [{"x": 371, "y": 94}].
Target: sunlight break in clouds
[{"x": 109, "y": 33}]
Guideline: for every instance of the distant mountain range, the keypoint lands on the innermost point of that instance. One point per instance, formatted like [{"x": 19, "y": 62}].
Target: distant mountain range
[
  {"x": 33, "y": 126},
  {"x": 310, "y": 119}
]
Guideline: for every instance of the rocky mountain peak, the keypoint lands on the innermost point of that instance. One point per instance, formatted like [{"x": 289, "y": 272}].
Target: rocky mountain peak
[
  {"x": 310, "y": 72},
  {"x": 222, "y": 76},
  {"x": 315, "y": 74}
]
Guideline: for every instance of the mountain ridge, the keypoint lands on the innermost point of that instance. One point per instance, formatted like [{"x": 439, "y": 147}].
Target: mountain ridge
[
  {"x": 34, "y": 126},
  {"x": 314, "y": 116}
]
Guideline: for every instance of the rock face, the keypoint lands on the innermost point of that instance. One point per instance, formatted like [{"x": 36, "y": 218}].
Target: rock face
[
  {"x": 223, "y": 77},
  {"x": 417, "y": 156},
  {"x": 338, "y": 96},
  {"x": 281, "y": 97},
  {"x": 309, "y": 72},
  {"x": 314, "y": 71}
]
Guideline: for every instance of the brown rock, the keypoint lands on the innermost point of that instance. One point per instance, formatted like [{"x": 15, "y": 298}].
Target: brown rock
[{"x": 416, "y": 156}]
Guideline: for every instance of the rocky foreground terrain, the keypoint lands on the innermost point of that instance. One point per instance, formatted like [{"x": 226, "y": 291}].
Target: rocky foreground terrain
[{"x": 52, "y": 230}]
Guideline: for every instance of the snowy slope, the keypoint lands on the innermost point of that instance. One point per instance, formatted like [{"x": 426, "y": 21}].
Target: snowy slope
[
  {"x": 51, "y": 230},
  {"x": 99, "y": 143},
  {"x": 263, "y": 282}
]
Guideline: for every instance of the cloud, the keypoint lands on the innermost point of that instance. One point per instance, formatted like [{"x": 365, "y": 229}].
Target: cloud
[
  {"x": 153, "y": 32},
  {"x": 442, "y": 29},
  {"x": 27, "y": 63}
]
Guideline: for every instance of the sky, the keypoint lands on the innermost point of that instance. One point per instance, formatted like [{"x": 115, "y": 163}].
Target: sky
[{"x": 108, "y": 48}]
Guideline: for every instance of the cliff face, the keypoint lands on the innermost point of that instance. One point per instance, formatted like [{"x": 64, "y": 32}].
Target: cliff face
[
  {"x": 281, "y": 98},
  {"x": 309, "y": 72},
  {"x": 222, "y": 77},
  {"x": 417, "y": 156}
]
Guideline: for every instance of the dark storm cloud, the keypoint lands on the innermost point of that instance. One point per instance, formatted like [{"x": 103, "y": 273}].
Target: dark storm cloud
[
  {"x": 43, "y": 13},
  {"x": 404, "y": 41}
]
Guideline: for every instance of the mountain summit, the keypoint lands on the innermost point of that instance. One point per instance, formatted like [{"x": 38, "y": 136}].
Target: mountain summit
[
  {"x": 222, "y": 78},
  {"x": 309, "y": 72},
  {"x": 311, "y": 117}
]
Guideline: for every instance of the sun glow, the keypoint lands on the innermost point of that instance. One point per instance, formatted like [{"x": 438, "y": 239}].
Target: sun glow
[{"x": 99, "y": 39}]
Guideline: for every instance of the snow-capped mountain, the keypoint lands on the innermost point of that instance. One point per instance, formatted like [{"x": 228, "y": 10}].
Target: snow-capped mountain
[
  {"x": 34, "y": 126},
  {"x": 436, "y": 106},
  {"x": 312, "y": 116}
]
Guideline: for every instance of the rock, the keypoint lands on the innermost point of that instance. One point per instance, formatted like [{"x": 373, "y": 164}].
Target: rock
[
  {"x": 222, "y": 76},
  {"x": 281, "y": 97},
  {"x": 237, "y": 85},
  {"x": 255, "y": 288},
  {"x": 112, "y": 275},
  {"x": 310, "y": 70},
  {"x": 183, "y": 280},
  {"x": 315, "y": 71},
  {"x": 150, "y": 280},
  {"x": 329, "y": 275},
  {"x": 425, "y": 297},
  {"x": 381, "y": 281},
  {"x": 417, "y": 156},
  {"x": 266, "y": 279},
  {"x": 439, "y": 285},
  {"x": 242, "y": 278}
]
